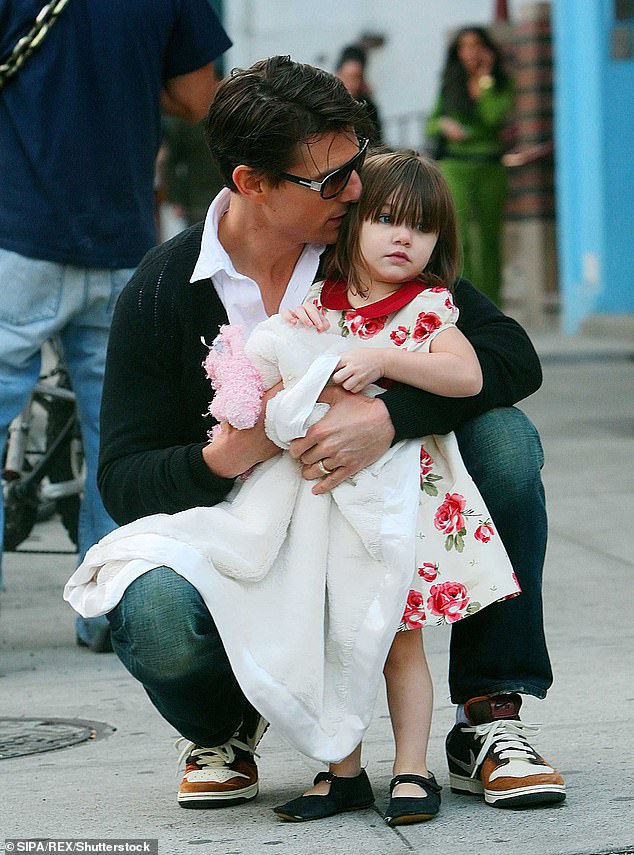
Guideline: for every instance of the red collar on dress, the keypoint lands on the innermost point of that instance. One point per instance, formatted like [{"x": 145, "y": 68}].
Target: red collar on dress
[{"x": 334, "y": 295}]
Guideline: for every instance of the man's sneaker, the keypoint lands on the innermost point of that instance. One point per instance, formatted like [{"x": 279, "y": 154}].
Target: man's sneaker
[
  {"x": 217, "y": 777},
  {"x": 492, "y": 756},
  {"x": 226, "y": 774},
  {"x": 252, "y": 729}
]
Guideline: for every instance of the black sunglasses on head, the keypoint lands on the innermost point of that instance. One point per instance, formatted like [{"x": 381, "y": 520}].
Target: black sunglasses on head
[{"x": 335, "y": 182}]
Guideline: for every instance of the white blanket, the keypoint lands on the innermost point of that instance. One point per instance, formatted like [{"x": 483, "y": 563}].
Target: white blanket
[{"x": 306, "y": 591}]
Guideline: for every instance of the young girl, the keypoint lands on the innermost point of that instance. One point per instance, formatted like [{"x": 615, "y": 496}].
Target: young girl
[
  {"x": 307, "y": 591},
  {"x": 386, "y": 287}
]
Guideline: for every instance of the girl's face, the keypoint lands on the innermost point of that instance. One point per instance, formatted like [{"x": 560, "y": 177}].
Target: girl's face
[{"x": 394, "y": 254}]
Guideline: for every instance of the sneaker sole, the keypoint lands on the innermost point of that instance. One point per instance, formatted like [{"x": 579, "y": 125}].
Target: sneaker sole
[
  {"x": 540, "y": 794},
  {"x": 217, "y": 800}
]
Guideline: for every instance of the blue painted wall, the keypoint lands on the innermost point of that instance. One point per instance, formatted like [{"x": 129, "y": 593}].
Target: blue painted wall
[{"x": 594, "y": 139}]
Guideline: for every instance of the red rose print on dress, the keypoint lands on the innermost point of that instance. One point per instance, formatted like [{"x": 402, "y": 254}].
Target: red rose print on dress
[
  {"x": 484, "y": 532},
  {"x": 399, "y": 336},
  {"x": 352, "y": 322},
  {"x": 448, "y": 600},
  {"x": 425, "y": 325},
  {"x": 414, "y": 614},
  {"x": 427, "y": 479},
  {"x": 372, "y": 327},
  {"x": 439, "y": 289},
  {"x": 426, "y": 461},
  {"x": 448, "y": 518},
  {"x": 428, "y": 571}
]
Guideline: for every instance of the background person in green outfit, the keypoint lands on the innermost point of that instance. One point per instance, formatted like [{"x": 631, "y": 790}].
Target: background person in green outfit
[{"x": 476, "y": 98}]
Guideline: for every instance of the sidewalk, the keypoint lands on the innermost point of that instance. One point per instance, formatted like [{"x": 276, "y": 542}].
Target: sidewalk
[{"x": 122, "y": 784}]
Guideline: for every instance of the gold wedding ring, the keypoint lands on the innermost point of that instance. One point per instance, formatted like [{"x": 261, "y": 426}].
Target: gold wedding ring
[{"x": 323, "y": 469}]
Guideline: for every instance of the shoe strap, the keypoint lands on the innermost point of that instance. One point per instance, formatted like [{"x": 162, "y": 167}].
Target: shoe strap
[
  {"x": 324, "y": 776},
  {"x": 427, "y": 784}
]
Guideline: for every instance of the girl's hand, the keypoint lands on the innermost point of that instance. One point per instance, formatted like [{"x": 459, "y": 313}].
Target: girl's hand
[
  {"x": 307, "y": 314},
  {"x": 358, "y": 368}
]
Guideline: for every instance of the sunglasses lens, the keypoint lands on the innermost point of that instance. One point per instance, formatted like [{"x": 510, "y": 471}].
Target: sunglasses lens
[{"x": 336, "y": 182}]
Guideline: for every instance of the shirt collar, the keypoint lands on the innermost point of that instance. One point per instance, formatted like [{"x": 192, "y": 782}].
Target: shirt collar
[
  {"x": 334, "y": 295},
  {"x": 213, "y": 257}
]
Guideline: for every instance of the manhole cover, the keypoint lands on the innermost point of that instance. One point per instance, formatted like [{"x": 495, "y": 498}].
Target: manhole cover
[{"x": 22, "y": 736}]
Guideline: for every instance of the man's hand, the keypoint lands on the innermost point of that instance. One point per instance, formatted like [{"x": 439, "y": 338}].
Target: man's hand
[
  {"x": 234, "y": 451},
  {"x": 354, "y": 433}
]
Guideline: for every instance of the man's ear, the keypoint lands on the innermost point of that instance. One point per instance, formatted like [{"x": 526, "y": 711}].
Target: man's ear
[{"x": 249, "y": 182}]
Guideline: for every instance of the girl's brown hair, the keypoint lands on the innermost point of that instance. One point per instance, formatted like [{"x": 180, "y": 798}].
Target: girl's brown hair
[{"x": 417, "y": 194}]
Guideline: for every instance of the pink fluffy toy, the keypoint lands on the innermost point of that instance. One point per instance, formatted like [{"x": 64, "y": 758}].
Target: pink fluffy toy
[{"x": 237, "y": 384}]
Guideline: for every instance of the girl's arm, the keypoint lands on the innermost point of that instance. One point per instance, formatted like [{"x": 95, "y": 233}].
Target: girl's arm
[{"x": 450, "y": 369}]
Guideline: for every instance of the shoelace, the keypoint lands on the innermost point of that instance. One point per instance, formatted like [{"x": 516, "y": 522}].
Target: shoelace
[
  {"x": 219, "y": 755},
  {"x": 510, "y": 739}
]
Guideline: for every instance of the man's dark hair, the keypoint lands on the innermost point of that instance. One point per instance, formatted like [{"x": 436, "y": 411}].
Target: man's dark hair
[{"x": 261, "y": 114}]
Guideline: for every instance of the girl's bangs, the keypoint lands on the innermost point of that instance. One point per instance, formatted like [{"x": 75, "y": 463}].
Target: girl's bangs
[{"x": 412, "y": 194}]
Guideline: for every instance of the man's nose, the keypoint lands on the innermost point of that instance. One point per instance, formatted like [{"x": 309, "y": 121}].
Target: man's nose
[{"x": 352, "y": 190}]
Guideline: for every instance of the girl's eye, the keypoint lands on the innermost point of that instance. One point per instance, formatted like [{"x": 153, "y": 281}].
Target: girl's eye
[
  {"x": 385, "y": 219},
  {"x": 421, "y": 227}
]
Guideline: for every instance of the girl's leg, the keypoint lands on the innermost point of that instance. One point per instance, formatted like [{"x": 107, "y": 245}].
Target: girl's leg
[
  {"x": 349, "y": 767},
  {"x": 410, "y": 701}
]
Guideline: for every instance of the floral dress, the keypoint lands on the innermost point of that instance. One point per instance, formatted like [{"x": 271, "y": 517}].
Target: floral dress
[{"x": 461, "y": 563}]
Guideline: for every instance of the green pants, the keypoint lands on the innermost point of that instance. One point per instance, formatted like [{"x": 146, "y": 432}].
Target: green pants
[{"x": 479, "y": 192}]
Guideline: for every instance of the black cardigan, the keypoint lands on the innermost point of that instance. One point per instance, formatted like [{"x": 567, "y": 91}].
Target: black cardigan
[{"x": 155, "y": 392}]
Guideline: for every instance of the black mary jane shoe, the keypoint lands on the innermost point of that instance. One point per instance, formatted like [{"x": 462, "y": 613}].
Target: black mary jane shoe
[
  {"x": 345, "y": 794},
  {"x": 405, "y": 810}
]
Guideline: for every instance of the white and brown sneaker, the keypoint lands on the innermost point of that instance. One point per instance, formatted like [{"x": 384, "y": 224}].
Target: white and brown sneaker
[
  {"x": 491, "y": 756},
  {"x": 217, "y": 777}
]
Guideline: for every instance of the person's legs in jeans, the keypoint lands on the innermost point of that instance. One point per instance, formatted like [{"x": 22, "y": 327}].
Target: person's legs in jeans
[
  {"x": 30, "y": 312},
  {"x": 501, "y": 652},
  {"x": 503, "y": 648},
  {"x": 84, "y": 341},
  {"x": 164, "y": 635}
]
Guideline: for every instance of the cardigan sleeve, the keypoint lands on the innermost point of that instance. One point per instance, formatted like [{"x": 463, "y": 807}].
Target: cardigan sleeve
[
  {"x": 510, "y": 369},
  {"x": 147, "y": 462}
]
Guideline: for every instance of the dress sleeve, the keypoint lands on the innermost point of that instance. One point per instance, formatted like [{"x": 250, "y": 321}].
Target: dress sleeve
[
  {"x": 510, "y": 371},
  {"x": 431, "y": 312}
]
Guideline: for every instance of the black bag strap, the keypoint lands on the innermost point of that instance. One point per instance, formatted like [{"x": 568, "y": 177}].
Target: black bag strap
[{"x": 32, "y": 40}]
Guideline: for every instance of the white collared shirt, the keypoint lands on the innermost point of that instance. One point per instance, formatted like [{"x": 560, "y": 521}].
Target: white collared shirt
[{"x": 239, "y": 294}]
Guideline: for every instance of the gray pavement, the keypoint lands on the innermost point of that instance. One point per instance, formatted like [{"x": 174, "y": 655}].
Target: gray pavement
[{"x": 121, "y": 784}]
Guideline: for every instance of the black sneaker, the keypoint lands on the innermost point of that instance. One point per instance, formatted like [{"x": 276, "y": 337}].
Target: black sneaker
[{"x": 491, "y": 756}]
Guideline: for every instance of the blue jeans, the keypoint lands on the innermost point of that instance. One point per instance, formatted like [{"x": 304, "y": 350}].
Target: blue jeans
[
  {"x": 503, "y": 649},
  {"x": 41, "y": 299},
  {"x": 165, "y": 636}
]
